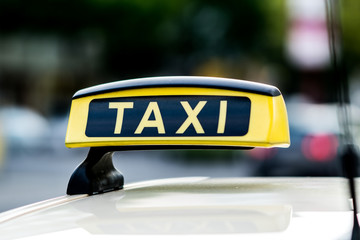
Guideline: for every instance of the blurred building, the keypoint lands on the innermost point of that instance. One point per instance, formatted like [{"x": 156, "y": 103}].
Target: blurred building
[
  {"x": 307, "y": 48},
  {"x": 40, "y": 71}
]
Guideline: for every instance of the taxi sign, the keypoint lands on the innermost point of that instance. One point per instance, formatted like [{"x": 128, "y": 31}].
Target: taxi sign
[
  {"x": 178, "y": 112},
  {"x": 170, "y": 116},
  {"x": 169, "y": 112}
]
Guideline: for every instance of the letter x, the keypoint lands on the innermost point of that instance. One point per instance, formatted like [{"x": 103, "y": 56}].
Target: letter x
[{"x": 192, "y": 117}]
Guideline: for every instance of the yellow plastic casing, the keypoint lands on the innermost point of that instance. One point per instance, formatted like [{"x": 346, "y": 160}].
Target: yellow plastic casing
[{"x": 268, "y": 124}]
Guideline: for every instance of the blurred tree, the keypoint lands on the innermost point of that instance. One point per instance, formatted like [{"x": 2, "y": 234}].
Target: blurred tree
[
  {"x": 139, "y": 33},
  {"x": 350, "y": 18},
  {"x": 109, "y": 40}
]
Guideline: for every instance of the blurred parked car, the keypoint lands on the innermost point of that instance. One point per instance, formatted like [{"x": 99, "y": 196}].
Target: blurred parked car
[
  {"x": 24, "y": 129},
  {"x": 315, "y": 143}
]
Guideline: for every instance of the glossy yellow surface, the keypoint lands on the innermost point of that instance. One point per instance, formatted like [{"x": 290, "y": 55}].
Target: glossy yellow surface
[{"x": 268, "y": 125}]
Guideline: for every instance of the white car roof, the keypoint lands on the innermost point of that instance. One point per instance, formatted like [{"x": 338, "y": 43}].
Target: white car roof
[{"x": 279, "y": 208}]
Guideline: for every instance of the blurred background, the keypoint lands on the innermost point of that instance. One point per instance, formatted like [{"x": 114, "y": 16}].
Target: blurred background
[{"x": 49, "y": 49}]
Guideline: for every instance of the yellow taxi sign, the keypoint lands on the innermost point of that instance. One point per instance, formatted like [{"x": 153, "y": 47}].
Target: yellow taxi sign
[{"x": 178, "y": 112}]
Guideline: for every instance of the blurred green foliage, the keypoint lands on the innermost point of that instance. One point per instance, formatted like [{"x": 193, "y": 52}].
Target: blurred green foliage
[
  {"x": 106, "y": 40},
  {"x": 142, "y": 37},
  {"x": 350, "y": 26}
]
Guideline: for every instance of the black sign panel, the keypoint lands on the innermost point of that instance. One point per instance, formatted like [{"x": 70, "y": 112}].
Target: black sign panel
[{"x": 169, "y": 116}]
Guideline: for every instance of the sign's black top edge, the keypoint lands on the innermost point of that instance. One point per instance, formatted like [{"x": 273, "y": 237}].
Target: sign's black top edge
[{"x": 181, "y": 81}]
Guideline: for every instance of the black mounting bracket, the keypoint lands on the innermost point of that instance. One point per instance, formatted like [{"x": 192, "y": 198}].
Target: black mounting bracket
[{"x": 96, "y": 174}]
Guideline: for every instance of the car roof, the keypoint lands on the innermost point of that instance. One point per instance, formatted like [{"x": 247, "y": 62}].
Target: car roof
[{"x": 197, "y": 206}]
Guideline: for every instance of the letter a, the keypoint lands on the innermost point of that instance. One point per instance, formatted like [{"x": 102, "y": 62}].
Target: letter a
[{"x": 145, "y": 122}]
